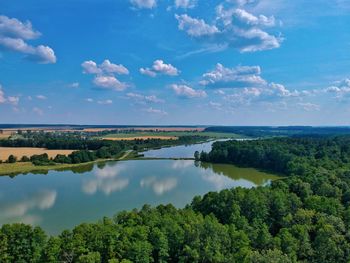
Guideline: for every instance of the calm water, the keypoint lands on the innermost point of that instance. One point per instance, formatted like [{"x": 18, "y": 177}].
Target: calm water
[
  {"x": 61, "y": 200},
  {"x": 182, "y": 151}
]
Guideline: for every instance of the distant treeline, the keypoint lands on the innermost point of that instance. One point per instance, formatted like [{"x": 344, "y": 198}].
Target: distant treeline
[
  {"x": 87, "y": 148},
  {"x": 263, "y": 131}
]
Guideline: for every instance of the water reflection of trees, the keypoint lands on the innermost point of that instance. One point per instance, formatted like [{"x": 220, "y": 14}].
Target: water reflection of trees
[{"x": 238, "y": 173}]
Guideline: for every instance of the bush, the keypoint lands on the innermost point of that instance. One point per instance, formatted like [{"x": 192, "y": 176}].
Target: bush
[{"x": 12, "y": 159}]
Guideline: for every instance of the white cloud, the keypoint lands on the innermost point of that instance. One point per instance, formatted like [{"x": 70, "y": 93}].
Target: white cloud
[
  {"x": 195, "y": 27},
  {"x": 2, "y": 96},
  {"x": 74, "y": 85},
  {"x": 105, "y": 102},
  {"x": 187, "y": 92},
  {"x": 89, "y": 100},
  {"x": 41, "y": 97},
  {"x": 144, "y": 4},
  {"x": 13, "y": 100},
  {"x": 105, "y": 74},
  {"x": 215, "y": 105},
  {"x": 109, "y": 82},
  {"x": 233, "y": 27},
  {"x": 341, "y": 89},
  {"x": 38, "y": 111},
  {"x": 90, "y": 67},
  {"x": 159, "y": 67},
  {"x": 185, "y": 3},
  {"x": 144, "y": 98},
  {"x": 241, "y": 76},
  {"x": 109, "y": 67},
  {"x": 155, "y": 111},
  {"x": 309, "y": 106},
  {"x": 13, "y": 37}
]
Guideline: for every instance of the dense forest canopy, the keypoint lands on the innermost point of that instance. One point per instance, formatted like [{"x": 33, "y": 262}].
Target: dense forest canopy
[
  {"x": 264, "y": 131},
  {"x": 304, "y": 217}
]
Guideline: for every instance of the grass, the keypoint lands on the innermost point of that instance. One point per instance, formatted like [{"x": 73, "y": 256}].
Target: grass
[{"x": 27, "y": 167}]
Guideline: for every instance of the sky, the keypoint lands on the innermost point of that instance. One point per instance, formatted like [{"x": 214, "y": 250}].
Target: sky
[{"x": 175, "y": 62}]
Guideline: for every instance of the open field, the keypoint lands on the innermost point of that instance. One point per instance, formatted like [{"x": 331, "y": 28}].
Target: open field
[{"x": 28, "y": 151}]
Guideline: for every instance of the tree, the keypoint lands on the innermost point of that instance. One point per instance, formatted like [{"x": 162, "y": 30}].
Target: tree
[{"x": 12, "y": 159}]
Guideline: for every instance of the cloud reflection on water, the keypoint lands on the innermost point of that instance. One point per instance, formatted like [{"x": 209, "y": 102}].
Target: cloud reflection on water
[
  {"x": 159, "y": 186},
  {"x": 107, "y": 180},
  {"x": 20, "y": 211}
]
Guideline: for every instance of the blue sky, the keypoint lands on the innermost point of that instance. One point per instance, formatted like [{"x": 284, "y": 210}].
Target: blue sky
[{"x": 229, "y": 62}]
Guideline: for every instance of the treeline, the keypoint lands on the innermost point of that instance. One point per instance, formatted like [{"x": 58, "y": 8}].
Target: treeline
[
  {"x": 87, "y": 148},
  {"x": 78, "y": 141},
  {"x": 267, "y": 131},
  {"x": 289, "y": 156}
]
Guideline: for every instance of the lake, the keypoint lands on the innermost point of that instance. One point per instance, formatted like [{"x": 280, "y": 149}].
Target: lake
[{"x": 61, "y": 200}]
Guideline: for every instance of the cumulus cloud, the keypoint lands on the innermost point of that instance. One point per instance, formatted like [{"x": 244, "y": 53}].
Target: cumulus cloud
[
  {"x": 244, "y": 85},
  {"x": 90, "y": 67},
  {"x": 215, "y": 105},
  {"x": 144, "y": 4},
  {"x": 233, "y": 27},
  {"x": 195, "y": 27},
  {"x": 341, "y": 89},
  {"x": 187, "y": 92},
  {"x": 105, "y": 74},
  {"x": 155, "y": 111},
  {"x": 41, "y": 97},
  {"x": 89, "y": 100},
  {"x": 13, "y": 37},
  {"x": 185, "y": 3},
  {"x": 309, "y": 106},
  {"x": 109, "y": 82},
  {"x": 143, "y": 99},
  {"x": 106, "y": 67},
  {"x": 105, "y": 102},
  {"x": 74, "y": 85},
  {"x": 241, "y": 76},
  {"x": 109, "y": 67},
  {"x": 13, "y": 100},
  {"x": 38, "y": 111},
  {"x": 159, "y": 67}
]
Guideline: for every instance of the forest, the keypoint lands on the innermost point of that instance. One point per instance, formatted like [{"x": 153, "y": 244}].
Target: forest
[{"x": 304, "y": 217}]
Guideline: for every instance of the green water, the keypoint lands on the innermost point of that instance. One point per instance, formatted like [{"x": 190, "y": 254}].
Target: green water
[{"x": 61, "y": 200}]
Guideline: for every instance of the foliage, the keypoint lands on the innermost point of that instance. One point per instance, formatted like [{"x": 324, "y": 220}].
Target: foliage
[{"x": 304, "y": 217}]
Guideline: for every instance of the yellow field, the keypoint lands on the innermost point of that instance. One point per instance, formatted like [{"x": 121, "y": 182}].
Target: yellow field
[
  {"x": 140, "y": 138},
  {"x": 27, "y": 151}
]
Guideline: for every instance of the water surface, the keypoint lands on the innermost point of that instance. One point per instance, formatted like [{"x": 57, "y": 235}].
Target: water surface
[{"x": 61, "y": 200}]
